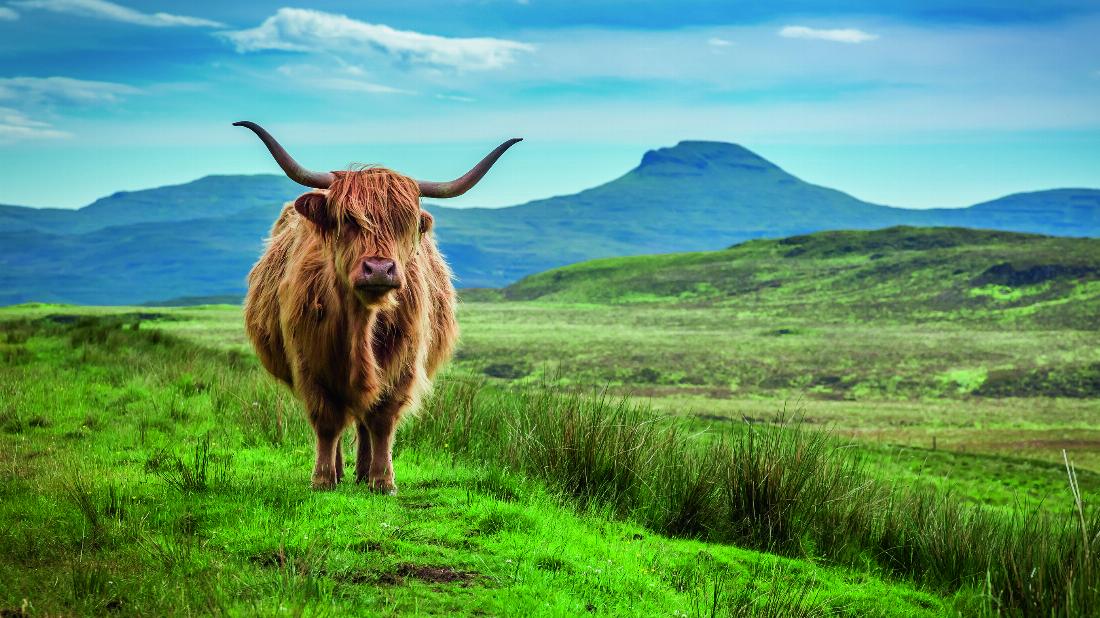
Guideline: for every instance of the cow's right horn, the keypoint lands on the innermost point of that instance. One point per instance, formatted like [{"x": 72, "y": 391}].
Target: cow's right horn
[{"x": 294, "y": 171}]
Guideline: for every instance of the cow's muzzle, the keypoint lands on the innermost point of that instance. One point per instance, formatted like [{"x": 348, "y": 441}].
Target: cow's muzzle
[{"x": 378, "y": 276}]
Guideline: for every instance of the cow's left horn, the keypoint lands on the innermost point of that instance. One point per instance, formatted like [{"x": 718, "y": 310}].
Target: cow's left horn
[
  {"x": 461, "y": 185},
  {"x": 294, "y": 171}
]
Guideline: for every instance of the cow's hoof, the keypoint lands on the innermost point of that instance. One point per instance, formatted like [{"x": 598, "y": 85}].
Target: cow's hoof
[
  {"x": 383, "y": 486},
  {"x": 324, "y": 483}
]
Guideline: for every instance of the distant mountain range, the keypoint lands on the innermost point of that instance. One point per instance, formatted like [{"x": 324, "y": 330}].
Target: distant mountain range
[{"x": 200, "y": 238}]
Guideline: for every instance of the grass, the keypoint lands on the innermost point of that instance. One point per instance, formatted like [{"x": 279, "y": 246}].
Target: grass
[
  {"x": 163, "y": 491},
  {"x": 158, "y": 489},
  {"x": 640, "y": 411},
  {"x": 779, "y": 489},
  {"x": 894, "y": 275}
]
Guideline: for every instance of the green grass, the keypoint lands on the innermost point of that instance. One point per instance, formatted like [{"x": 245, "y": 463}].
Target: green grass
[
  {"x": 976, "y": 278},
  {"x": 780, "y": 489},
  {"x": 147, "y": 475},
  {"x": 171, "y": 478},
  {"x": 638, "y": 410}
]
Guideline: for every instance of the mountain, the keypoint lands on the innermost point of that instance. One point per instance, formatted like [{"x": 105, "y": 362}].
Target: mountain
[
  {"x": 200, "y": 238},
  {"x": 900, "y": 273},
  {"x": 209, "y": 197}
]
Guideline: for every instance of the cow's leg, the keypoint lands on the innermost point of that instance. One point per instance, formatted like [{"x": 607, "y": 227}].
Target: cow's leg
[
  {"x": 380, "y": 423},
  {"x": 362, "y": 452},
  {"x": 338, "y": 463},
  {"x": 324, "y": 469},
  {"x": 382, "y": 427},
  {"x": 328, "y": 424}
]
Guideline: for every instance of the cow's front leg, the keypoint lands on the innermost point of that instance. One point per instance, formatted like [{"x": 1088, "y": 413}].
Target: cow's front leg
[
  {"x": 362, "y": 452},
  {"x": 374, "y": 457},
  {"x": 328, "y": 424},
  {"x": 338, "y": 459}
]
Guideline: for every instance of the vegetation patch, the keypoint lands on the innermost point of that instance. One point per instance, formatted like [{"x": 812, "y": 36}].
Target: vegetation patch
[
  {"x": 1081, "y": 381},
  {"x": 894, "y": 239},
  {"x": 1016, "y": 275},
  {"x": 781, "y": 489}
]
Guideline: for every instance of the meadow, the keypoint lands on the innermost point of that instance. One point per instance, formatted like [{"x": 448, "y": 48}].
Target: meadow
[{"x": 719, "y": 452}]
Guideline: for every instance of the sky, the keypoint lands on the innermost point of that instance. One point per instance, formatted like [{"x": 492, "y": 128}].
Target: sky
[{"x": 938, "y": 103}]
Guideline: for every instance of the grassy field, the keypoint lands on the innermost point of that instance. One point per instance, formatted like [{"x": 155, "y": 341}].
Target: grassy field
[
  {"x": 839, "y": 444},
  {"x": 171, "y": 475},
  {"x": 170, "y": 478}
]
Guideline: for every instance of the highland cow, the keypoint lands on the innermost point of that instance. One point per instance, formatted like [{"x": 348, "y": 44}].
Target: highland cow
[{"x": 352, "y": 305}]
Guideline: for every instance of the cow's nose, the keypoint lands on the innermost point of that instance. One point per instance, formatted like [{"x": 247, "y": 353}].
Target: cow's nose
[
  {"x": 379, "y": 267},
  {"x": 379, "y": 272}
]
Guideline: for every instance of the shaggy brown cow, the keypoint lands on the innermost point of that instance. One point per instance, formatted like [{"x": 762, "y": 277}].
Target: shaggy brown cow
[{"x": 352, "y": 305}]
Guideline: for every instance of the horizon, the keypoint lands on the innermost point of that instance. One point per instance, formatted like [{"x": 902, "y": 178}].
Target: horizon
[
  {"x": 911, "y": 105},
  {"x": 449, "y": 203}
]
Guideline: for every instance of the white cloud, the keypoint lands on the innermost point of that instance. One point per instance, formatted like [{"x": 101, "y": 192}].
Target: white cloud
[
  {"x": 344, "y": 79},
  {"x": 304, "y": 30},
  {"x": 101, "y": 9},
  {"x": 717, "y": 42},
  {"x": 839, "y": 35},
  {"x": 455, "y": 97},
  {"x": 35, "y": 90},
  {"x": 15, "y": 126},
  {"x": 7, "y": 14}
]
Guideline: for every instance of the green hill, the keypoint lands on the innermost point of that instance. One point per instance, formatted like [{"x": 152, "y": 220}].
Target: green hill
[
  {"x": 895, "y": 273},
  {"x": 200, "y": 238}
]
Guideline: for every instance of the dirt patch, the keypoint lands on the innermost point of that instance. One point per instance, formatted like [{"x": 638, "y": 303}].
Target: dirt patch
[
  {"x": 428, "y": 574},
  {"x": 269, "y": 559},
  {"x": 1068, "y": 444}
]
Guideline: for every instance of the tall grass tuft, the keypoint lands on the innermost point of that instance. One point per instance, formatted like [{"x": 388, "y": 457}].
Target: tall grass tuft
[
  {"x": 779, "y": 488},
  {"x": 201, "y": 470}
]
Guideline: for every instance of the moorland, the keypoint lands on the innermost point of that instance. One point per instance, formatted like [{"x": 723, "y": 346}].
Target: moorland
[{"x": 841, "y": 423}]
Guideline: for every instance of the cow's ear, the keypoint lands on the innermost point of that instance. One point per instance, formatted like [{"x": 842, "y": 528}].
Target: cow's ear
[
  {"x": 313, "y": 206},
  {"x": 426, "y": 221}
]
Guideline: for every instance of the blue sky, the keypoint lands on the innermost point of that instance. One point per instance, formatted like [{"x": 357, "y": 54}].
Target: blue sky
[{"x": 918, "y": 104}]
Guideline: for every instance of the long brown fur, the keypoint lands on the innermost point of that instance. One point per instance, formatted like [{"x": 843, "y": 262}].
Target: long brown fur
[{"x": 350, "y": 359}]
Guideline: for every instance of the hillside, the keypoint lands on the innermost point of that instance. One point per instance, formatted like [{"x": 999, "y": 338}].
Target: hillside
[
  {"x": 899, "y": 272},
  {"x": 700, "y": 196},
  {"x": 694, "y": 196}
]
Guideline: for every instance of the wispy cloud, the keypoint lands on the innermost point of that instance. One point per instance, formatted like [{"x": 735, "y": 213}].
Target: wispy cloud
[
  {"x": 455, "y": 97},
  {"x": 345, "y": 79},
  {"x": 16, "y": 126},
  {"x": 101, "y": 9},
  {"x": 7, "y": 14},
  {"x": 35, "y": 90},
  {"x": 717, "y": 42},
  {"x": 303, "y": 30},
  {"x": 838, "y": 35}
]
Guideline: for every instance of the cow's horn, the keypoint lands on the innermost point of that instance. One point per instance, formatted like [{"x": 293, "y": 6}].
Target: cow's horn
[
  {"x": 461, "y": 185},
  {"x": 294, "y": 171}
]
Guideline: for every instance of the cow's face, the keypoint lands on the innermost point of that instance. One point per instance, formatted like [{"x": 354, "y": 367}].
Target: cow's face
[{"x": 371, "y": 224}]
